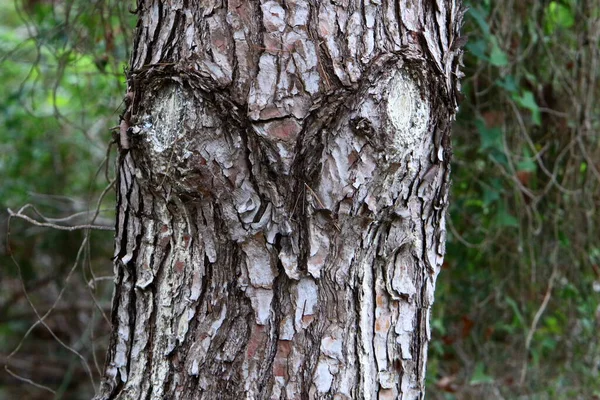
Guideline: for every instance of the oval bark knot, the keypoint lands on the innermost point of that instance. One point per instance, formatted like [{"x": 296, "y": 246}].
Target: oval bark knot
[
  {"x": 407, "y": 109},
  {"x": 163, "y": 125}
]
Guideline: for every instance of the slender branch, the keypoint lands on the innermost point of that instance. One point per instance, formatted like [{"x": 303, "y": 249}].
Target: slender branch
[{"x": 19, "y": 214}]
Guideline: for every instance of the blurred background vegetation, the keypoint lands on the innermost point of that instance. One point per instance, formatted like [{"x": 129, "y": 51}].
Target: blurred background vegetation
[
  {"x": 61, "y": 85},
  {"x": 517, "y": 306}
]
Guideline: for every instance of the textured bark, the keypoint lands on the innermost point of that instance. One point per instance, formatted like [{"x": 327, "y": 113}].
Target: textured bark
[{"x": 283, "y": 182}]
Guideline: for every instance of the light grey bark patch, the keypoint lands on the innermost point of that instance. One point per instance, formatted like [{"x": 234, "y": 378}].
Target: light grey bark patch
[
  {"x": 263, "y": 88},
  {"x": 221, "y": 51},
  {"x": 366, "y": 318},
  {"x": 162, "y": 124},
  {"x": 261, "y": 300},
  {"x": 261, "y": 272},
  {"x": 247, "y": 201},
  {"x": 328, "y": 33},
  {"x": 303, "y": 62},
  {"x": 274, "y": 16},
  {"x": 289, "y": 261},
  {"x": 408, "y": 110},
  {"x": 403, "y": 273},
  {"x": 368, "y": 40},
  {"x": 305, "y": 296}
]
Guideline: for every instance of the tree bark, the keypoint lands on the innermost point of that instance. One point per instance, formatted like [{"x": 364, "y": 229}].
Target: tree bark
[{"x": 282, "y": 188}]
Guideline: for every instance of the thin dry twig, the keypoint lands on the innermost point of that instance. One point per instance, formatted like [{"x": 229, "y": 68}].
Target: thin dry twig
[
  {"x": 41, "y": 319},
  {"x": 46, "y": 224},
  {"x": 536, "y": 320}
]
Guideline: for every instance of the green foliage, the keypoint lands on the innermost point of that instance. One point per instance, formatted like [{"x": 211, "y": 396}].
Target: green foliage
[
  {"x": 486, "y": 47},
  {"x": 479, "y": 376},
  {"x": 522, "y": 252},
  {"x": 53, "y": 124},
  {"x": 558, "y": 16},
  {"x": 526, "y": 100},
  {"x": 62, "y": 87}
]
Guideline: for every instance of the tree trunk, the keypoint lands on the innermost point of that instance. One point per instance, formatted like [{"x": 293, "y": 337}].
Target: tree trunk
[{"x": 283, "y": 183}]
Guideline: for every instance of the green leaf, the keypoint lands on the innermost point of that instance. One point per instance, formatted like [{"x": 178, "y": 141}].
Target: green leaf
[
  {"x": 479, "y": 17},
  {"x": 437, "y": 324},
  {"x": 503, "y": 218},
  {"x": 479, "y": 376},
  {"x": 528, "y": 163},
  {"x": 515, "y": 307},
  {"x": 553, "y": 325},
  {"x": 497, "y": 55},
  {"x": 508, "y": 84},
  {"x": 559, "y": 15},
  {"x": 564, "y": 240},
  {"x": 491, "y": 138},
  {"x": 500, "y": 157},
  {"x": 526, "y": 100},
  {"x": 478, "y": 48},
  {"x": 474, "y": 203},
  {"x": 490, "y": 196}
]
